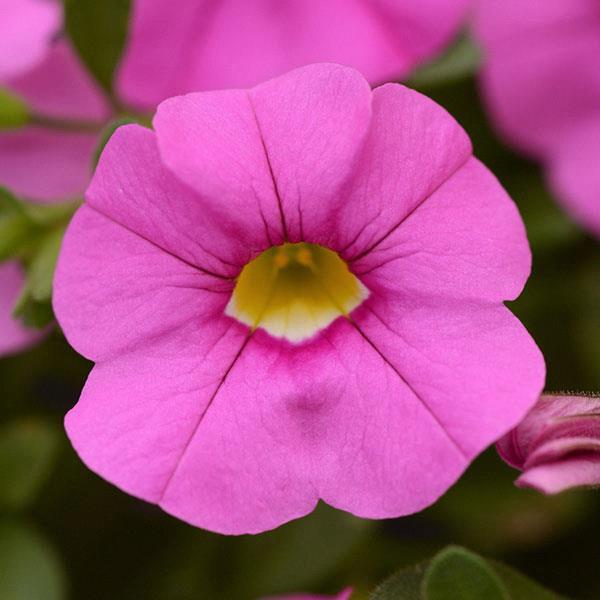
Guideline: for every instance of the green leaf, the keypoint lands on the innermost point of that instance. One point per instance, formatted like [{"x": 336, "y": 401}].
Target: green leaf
[
  {"x": 458, "y": 573},
  {"x": 41, "y": 269},
  {"x": 460, "y": 61},
  {"x": 98, "y": 30},
  {"x": 13, "y": 111},
  {"x": 30, "y": 569},
  {"x": 521, "y": 587},
  {"x": 403, "y": 585},
  {"x": 28, "y": 449},
  {"x": 15, "y": 225},
  {"x": 34, "y": 306}
]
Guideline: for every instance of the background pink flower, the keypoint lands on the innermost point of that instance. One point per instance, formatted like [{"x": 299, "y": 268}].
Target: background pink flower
[
  {"x": 26, "y": 30},
  {"x": 235, "y": 430},
  {"x": 541, "y": 82},
  {"x": 557, "y": 445},
  {"x": 189, "y": 45}
]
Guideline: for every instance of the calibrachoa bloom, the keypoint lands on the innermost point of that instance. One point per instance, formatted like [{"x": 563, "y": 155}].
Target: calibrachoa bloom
[
  {"x": 294, "y": 293},
  {"x": 542, "y": 83},
  {"x": 187, "y": 45},
  {"x": 557, "y": 445}
]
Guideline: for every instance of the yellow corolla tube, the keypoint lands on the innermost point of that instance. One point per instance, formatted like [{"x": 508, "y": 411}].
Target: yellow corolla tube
[{"x": 295, "y": 290}]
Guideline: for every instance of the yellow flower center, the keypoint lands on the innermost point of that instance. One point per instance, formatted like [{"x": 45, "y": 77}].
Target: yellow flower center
[{"x": 295, "y": 290}]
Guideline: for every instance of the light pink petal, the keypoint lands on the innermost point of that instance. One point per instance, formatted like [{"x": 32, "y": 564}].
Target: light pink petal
[
  {"x": 45, "y": 165},
  {"x": 551, "y": 412},
  {"x": 561, "y": 448},
  {"x": 540, "y": 72},
  {"x": 500, "y": 21},
  {"x": 132, "y": 187},
  {"x": 472, "y": 364},
  {"x": 137, "y": 412},
  {"x": 26, "y": 31},
  {"x": 14, "y": 336},
  {"x": 465, "y": 239},
  {"x": 552, "y": 478},
  {"x": 237, "y": 44},
  {"x": 574, "y": 174},
  {"x": 61, "y": 88},
  {"x": 412, "y": 148},
  {"x": 295, "y": 423},
  {"x": 313, "y": 123},
  {"x": 114, "y": 290},
  {"x": 212, "y": 143},
  {"x": 271, "y": 159}
]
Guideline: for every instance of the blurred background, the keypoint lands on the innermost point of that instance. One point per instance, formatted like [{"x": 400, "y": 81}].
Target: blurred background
[{"x": 65, "y": 533}]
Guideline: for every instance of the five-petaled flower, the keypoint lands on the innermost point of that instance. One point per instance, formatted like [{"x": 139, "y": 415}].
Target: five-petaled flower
[
  {"x": 557, "y": 445},
  {"x": 292, "y": 293}
]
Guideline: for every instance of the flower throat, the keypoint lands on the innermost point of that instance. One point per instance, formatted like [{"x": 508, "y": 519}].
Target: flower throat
[{"x": 293, "y": 291}]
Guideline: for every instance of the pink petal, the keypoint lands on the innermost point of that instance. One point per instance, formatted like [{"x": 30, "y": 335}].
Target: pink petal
[
  {"x": 561, "y": 448},
  {"x": 42, "y": 164},
  {"x": 61, "y": 88},
  {"x": 295, "y": 423},
  {"x": 574, "y": 174},
  {"x": 471, "y": 363},
  {"x": 556, "y": 477},
  {"x": 551, "y": 415},
  {"x": 413, "y": 147},
  {"x": 234, "y": 44},
  {"x": 313, "y": 123},
  {"x": 132, "y": 187},
  {"x": 14, "y": 336},
  {"x": 115, "y": 290},
  {"x": 26, "y": 31},
  {"x": 211, "y": 142},
  {"x": 137, "y": 411},
  {"x": 537, "y": 51},
  {"x": 270, "y": 159},
  {"x": 501, "y": 20},
  {"x": 465, "y": 239}
]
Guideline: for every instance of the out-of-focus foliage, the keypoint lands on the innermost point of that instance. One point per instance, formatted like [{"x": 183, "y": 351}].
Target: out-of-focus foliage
[
  {"x": 13, "y": 111},
  {"x": 98, "y": 30},
  {"x": 33, "y": 233},
  {"x": 29, "y": 567},
  {"x": 457, "y": 573},
  {"x": 27, "y": 453}
]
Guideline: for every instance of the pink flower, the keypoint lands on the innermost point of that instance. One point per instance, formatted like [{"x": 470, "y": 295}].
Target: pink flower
[
  {"x": 14, "y": 337},
  {"x": 541, "y": 81},
  {"x": 212, "y": 221},
  {"x": 234, "y": 43},
  {"x": 343, "y": 595},
  {"x": 557, "y": 445},
  {"x": 47, "y": 162},
  {"x": 26, "y": 31}
]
